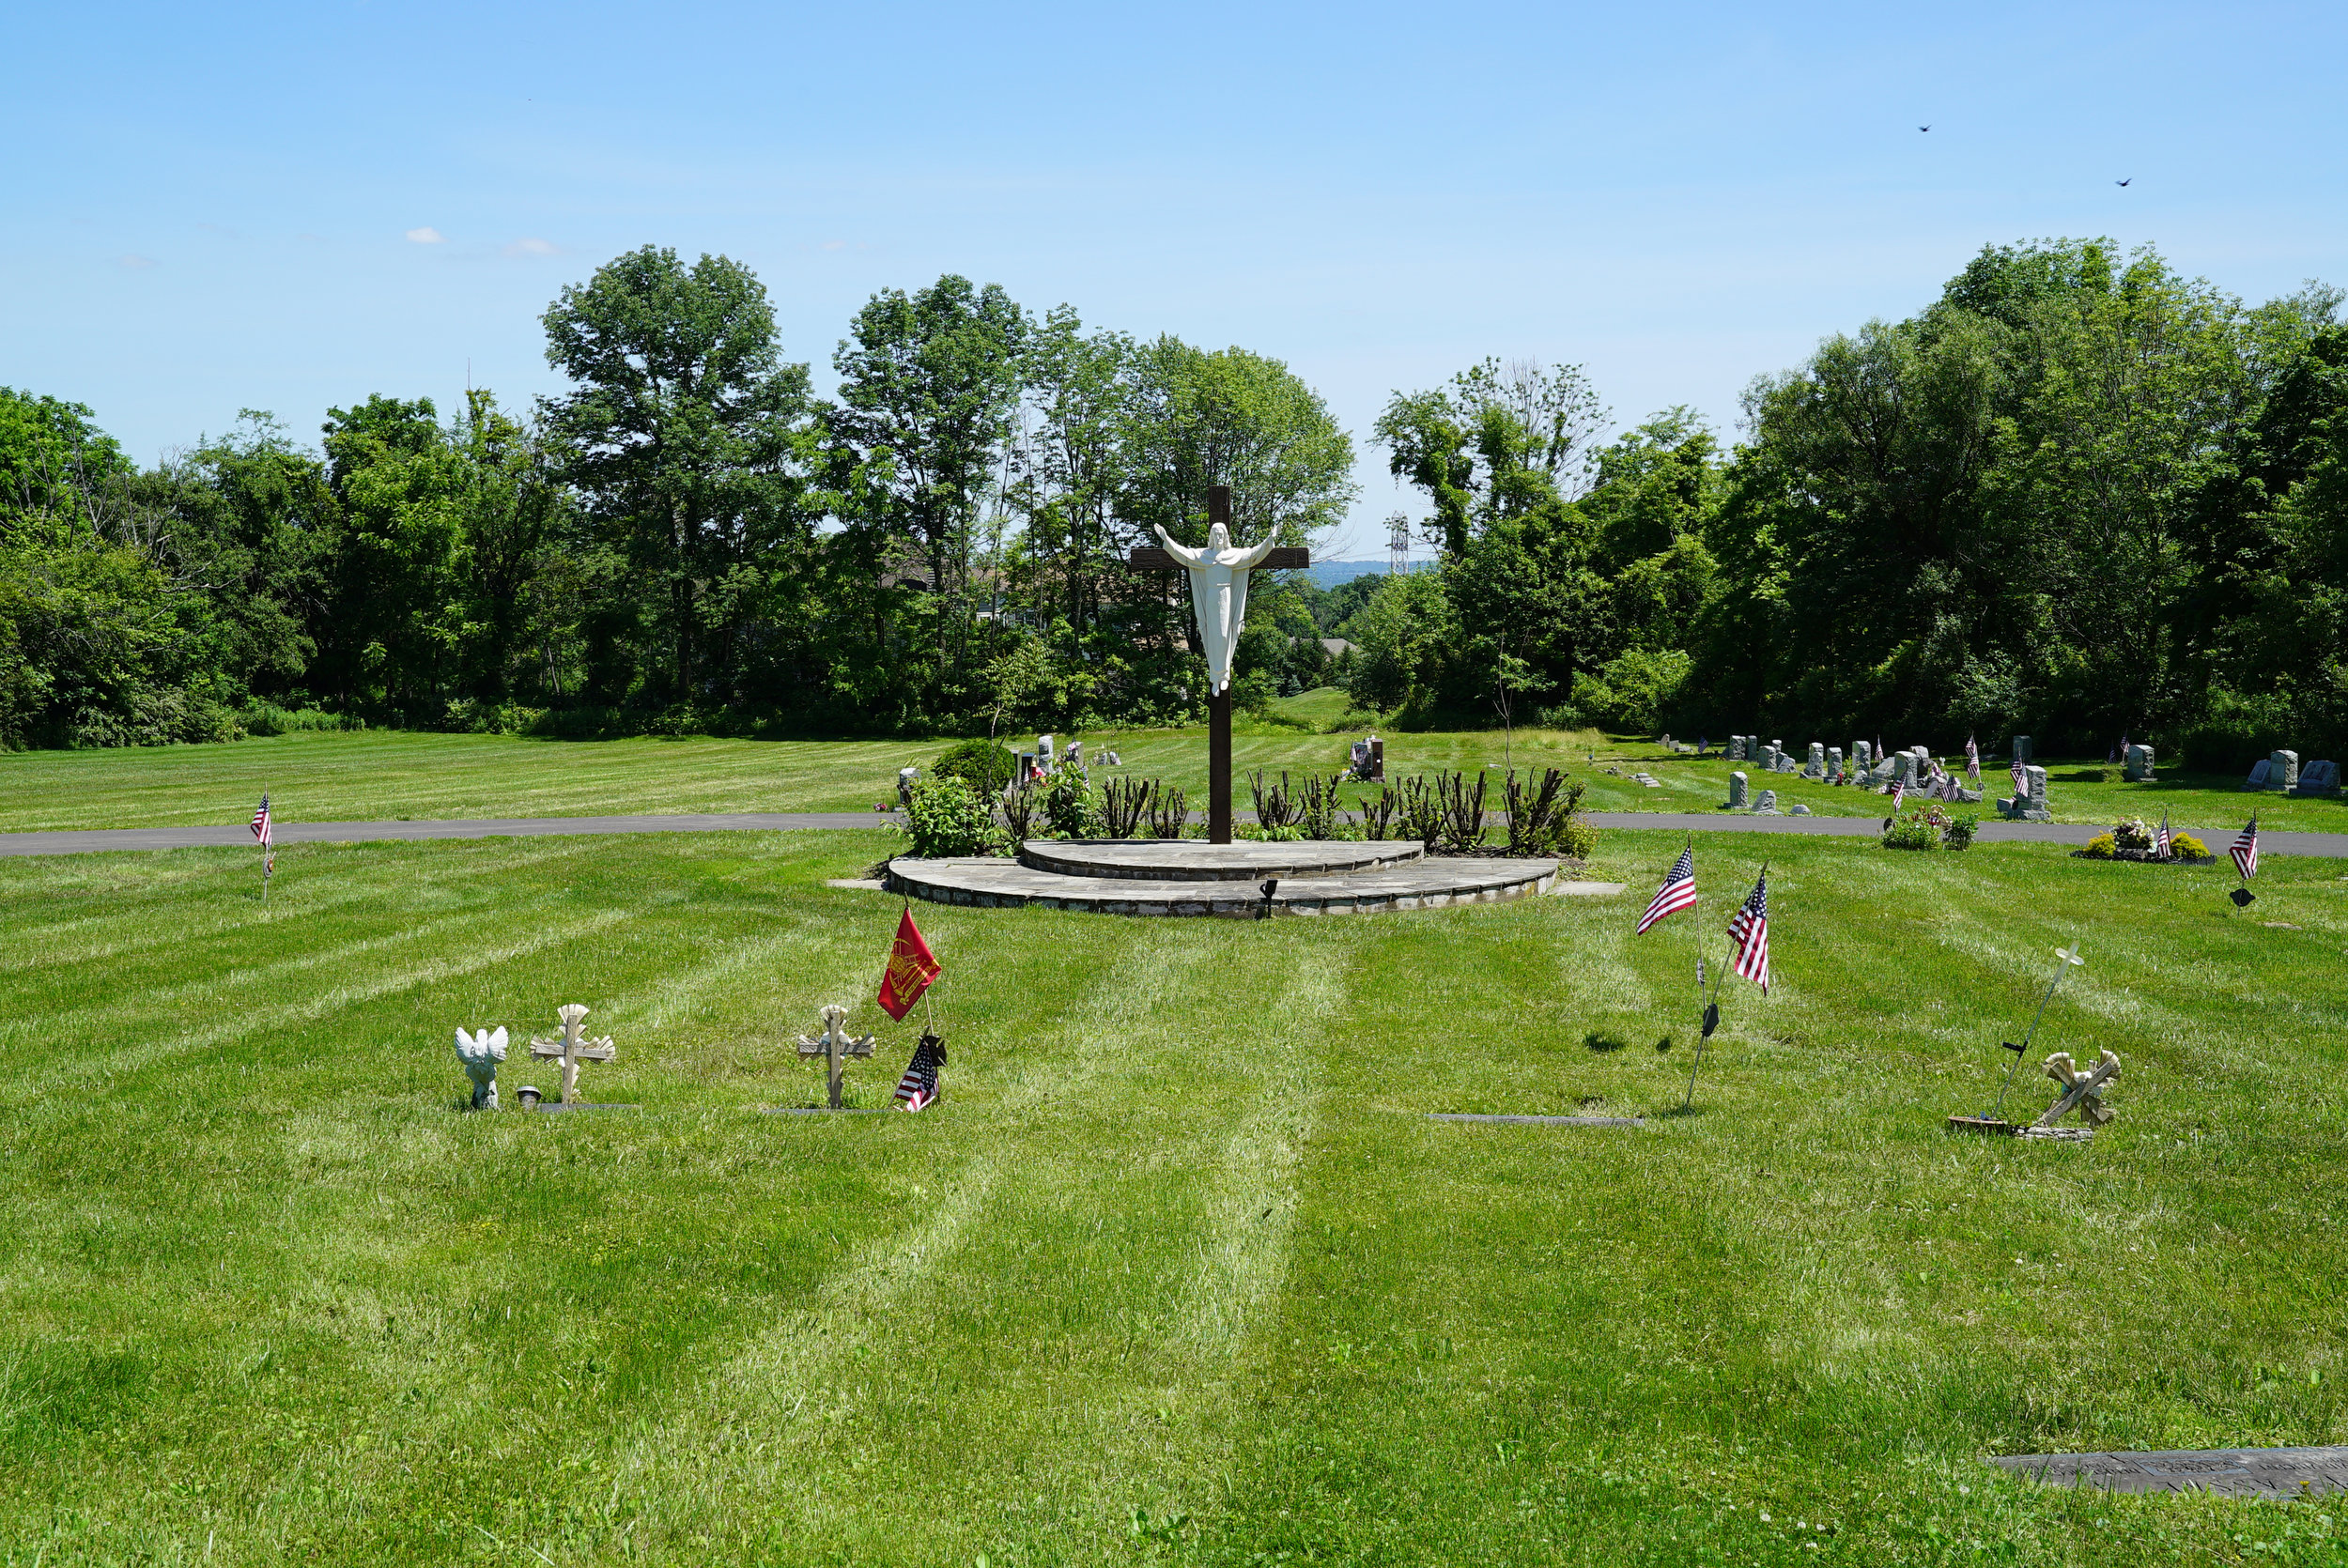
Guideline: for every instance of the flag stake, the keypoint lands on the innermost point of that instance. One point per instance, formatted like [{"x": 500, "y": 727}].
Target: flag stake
[
  {"x": 1704, "y": 1037},
  {"x": 2070, "y": 957}
]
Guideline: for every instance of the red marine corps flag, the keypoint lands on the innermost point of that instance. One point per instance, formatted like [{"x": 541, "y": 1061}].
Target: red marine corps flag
[{"x": 911, "y": 968}]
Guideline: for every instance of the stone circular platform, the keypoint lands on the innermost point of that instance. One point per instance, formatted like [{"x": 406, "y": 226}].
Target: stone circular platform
[
  {"x": 1195, "y": 860},
  {"x": 1178, "y": 878}
]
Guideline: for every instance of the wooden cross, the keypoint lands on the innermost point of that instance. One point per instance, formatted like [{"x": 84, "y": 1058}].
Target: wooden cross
[
  {"x": 573, "y": 1048},
  {"x": 836, "y": 1047},
  {"x": 2081, "y": 1090},
  {"x": 1151, "y": 559}
]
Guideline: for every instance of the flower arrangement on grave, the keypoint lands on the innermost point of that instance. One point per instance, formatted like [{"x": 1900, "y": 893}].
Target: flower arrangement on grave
[
  {"x": 1930, "y": 828},
  {"x": 2130, "y": 839}
]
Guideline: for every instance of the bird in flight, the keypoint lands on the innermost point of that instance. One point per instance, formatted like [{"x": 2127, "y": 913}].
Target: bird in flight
[
  {"x": 1923, "y": 128},
  {"x": 2130, "y": 177}
]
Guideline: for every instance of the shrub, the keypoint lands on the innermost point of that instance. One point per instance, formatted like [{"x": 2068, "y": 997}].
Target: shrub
[
  {"x": 948, "y": 820},
  {"x": 1914, "y": 831},
  {"x": 2186, "y": 846},
  {"x": 1576, "y": 838},
  {"x": 1958, "y": 835},
  {"x": 2100, "y": 847},
  {"x": 2133, "y": 835},
  {"x": 1068, "y": 806},
  {"x": 984, "y": 765}
]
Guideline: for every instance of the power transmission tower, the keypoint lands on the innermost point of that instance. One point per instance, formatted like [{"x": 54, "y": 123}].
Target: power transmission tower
[{"x": 1398, "y": 544}]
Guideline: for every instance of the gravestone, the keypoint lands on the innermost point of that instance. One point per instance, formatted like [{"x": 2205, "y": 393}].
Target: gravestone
[
  {"x": 2029, "y": 805},
  {"x": 2138, "y": 767},
  {"x": 1736, "y": 790},
  {"x": 1737, "y": 744},
  {"x": 2258, "y": 775},
  {"x": 1767, "y": 805},
  {"x": 2229, "y": 1472},
  {"x": 1786, "y": 762},
  {"x": 1797, "y": 809},
  {"x": 1834, "y": 762},
  {"x": 1862, "y": 755},
  {"x": 2319, "y": 778},
  {"x": 2282, "y": 771},
  {"x": 572, "y": 1048},
  {"x": 1816, "y": 768},
  {"x": 2022, "y": 753},
  {"x": 1768, "y": 756}
]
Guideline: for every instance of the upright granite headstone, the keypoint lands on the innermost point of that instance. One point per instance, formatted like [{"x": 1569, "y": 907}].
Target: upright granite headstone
[
  {"x": 1736, "y": 790},
  {"x": 2022, "y": 752},
  {"x": 2282, "y": 771},
  {"x": 1834, "y": 762},
  {"x": 1816, "y": 767},
  {"x": 1862, "y": 756},
  {"x": 2319, "y": 778},
  {"x": 1767, "y": 805},
  {"x": 2030, "y": 806},
  {"x": 2259, "y": 771},
  {"x": 1768, "y": 756},
  {"x": 2138, "y": 766}
]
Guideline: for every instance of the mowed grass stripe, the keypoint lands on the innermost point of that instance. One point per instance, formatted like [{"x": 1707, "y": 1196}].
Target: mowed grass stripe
[{"x": 262, "y": 1304}]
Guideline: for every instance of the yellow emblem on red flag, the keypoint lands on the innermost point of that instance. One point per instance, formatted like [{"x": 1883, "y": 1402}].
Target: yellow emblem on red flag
[{"x": 911, "y": 968}]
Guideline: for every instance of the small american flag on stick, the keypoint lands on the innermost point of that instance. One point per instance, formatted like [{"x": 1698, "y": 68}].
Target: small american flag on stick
[
  {"x": 2245, "y": 850},
  {"x": 1678, "y": 891},
  {"x": 260, "y": 820},
  {"x": 2160, "y": 840},
  {"x": 918, "y": 1086},
  {"x": 1973, "y": 762},
  {"x": 1749, "y": 935}
]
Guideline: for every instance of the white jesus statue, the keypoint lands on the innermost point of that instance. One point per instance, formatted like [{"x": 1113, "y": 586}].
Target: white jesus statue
[{"x": 1218, "y": 587}]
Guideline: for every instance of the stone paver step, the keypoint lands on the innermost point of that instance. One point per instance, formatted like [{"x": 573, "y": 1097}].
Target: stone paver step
[{"x": 1421, "y": 883}]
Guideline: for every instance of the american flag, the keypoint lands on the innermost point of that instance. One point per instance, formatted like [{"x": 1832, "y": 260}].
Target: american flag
[
  {"x": 1899, "y": 794},
  {"x": 2245, "y": 850},
  {"x": 1749, "y": 935},
  {"x": 1973, "y": 762},
  {"x": 1678, "y": 891},
  {"x": 2021, "y": 778},
  {"x": 2160, "y": 840},
  {"x": 918, "y": 1086},
  {"x": 261, "y": 821}
]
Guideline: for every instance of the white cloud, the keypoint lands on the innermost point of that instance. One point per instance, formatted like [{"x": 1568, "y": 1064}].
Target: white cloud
[
  {"x": 532, "y": 248},
  {"x": 138, "y": 263},
  {"x": 426, "y": 236}
]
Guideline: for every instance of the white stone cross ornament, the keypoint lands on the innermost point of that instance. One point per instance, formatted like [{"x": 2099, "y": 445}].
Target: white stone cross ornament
[
  {"x": 572, "y": 1049},
  {"x": 835, "y": 1046},
  {"x": 2082, "y": 1089}
]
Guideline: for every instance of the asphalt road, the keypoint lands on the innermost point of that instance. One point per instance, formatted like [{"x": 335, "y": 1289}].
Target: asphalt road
[{"x": 2330, "y": 845}]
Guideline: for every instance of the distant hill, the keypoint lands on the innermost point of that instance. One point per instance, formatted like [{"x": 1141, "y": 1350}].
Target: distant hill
[{"x": 1328, "y": 573}]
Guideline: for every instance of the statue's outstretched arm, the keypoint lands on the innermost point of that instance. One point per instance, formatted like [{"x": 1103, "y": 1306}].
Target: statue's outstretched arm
[
  {"x": 1256, "y": 557},
  {"x": 1182, "y": 553}
]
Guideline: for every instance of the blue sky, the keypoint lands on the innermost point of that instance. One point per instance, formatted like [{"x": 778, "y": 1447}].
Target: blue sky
[{"x": 208, "y": 209}]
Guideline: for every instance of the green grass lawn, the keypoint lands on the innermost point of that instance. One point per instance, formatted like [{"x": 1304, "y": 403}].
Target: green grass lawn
[
  {"x": 379, "y": 775},
  {"x": 1178, "y": 1271}
]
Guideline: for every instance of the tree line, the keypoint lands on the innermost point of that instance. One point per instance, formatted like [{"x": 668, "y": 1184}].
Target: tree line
[{"x": 2076, "y": 494}]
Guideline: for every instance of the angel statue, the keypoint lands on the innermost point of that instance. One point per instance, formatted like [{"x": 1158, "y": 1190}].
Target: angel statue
[{"x": 481, "y": 1053}]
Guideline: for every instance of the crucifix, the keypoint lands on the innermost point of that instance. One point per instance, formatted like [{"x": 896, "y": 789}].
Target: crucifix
[
  {"x": 836, "y": 1047},
  {"x": 1219, "y": 594},
  {"x": 2082, "y": 1089},
  {"x": 572, "y": 1049}
]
